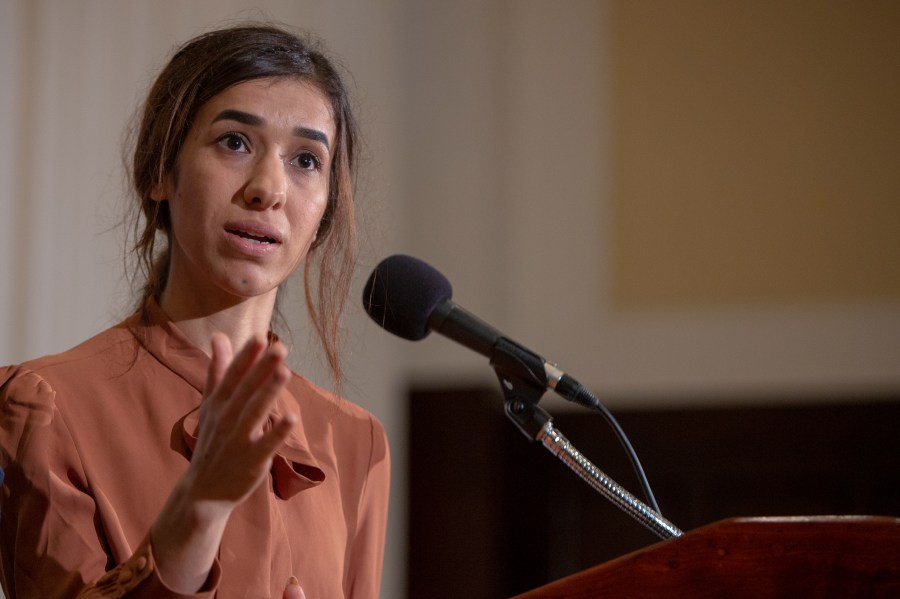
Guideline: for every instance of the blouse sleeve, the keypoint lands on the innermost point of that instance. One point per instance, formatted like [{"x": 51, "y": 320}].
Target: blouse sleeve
[
  {"x": 367, "y": 552},
  {"x": 51, "y": 539}
]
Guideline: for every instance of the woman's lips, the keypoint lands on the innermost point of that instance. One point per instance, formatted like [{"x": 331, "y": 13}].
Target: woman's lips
[
  {"x": 254, "y": 229},
  {"x": 253, "y": 237}
]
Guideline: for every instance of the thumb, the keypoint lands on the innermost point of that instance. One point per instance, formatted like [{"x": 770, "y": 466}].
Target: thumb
[
  {"x": 222, "y": 354},
  {"x": 293, "y": 590}
]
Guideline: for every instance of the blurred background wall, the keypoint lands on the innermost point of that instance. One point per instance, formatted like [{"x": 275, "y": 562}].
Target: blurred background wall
[{"x": 682, "y": 203}]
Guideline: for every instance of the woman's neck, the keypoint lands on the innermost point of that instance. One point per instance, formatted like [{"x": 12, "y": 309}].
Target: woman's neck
[{"x": 238, "y": 318}]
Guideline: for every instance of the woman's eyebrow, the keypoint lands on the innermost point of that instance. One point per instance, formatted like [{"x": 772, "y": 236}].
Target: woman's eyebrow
[
  {"x": 239, "y": 116},
  {"x": 313, "y": 134},
  {"x": 255, "y": 121}
]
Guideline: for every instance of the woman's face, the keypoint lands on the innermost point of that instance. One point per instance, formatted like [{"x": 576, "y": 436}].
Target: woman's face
[{"x": 249, "y": 188}]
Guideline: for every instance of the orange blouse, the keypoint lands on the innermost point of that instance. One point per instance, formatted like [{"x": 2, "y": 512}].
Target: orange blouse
[{"x": 93, "y": 440}]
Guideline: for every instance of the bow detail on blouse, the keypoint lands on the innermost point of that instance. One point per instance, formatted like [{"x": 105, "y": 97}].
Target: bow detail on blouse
[{"x": 293, "y": 468}]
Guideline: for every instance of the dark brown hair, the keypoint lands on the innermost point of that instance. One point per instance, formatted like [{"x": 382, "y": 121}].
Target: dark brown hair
[{"x": 200, "y": 69}]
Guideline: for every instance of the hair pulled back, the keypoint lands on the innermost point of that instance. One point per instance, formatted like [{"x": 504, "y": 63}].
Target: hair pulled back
[{"x": 201, "y": 69}]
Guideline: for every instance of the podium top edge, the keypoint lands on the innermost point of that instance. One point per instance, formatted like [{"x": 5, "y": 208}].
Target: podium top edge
[{"x": 842, "y": 519}]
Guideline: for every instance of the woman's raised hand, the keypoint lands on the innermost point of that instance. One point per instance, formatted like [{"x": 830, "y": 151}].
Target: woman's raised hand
[
  {"x": 232, "y": 457},
  {"x": 234, "y": 451}
]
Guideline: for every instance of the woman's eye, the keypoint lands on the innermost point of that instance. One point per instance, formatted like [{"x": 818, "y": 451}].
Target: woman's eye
[
  {"x": 308, "y": 161},
  {"x": 233, "y": 142}
]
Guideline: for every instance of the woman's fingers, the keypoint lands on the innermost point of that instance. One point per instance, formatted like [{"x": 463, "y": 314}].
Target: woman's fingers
[
  {"x": 271, "y": 440},
  {"x": 240, "y": 397},
  {"x": 261, "y": 387},
  {"x": 246, "y": 389},
  {"x": 236, "y": 369},
  {"x": 222, "y": 355}
]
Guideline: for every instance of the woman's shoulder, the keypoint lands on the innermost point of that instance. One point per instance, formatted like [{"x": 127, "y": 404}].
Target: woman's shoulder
[
  {"x": 331, "y": 406},
  {"x": 97, "y": 355}
]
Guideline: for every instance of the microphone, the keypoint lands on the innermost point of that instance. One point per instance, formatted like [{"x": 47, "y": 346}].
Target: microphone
[{"x": 410, "y": 298}]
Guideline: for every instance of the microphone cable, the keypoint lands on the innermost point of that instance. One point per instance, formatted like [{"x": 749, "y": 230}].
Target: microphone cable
[{"x": 595, "y": 404}]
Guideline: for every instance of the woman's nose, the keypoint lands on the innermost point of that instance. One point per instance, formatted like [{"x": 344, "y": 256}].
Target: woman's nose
[{"x": 267, "y": 186}]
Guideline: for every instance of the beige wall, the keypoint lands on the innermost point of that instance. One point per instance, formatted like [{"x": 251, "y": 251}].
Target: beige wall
[
  {"x": 756, "y": 152},
  {"x": 492, "y": 152}
]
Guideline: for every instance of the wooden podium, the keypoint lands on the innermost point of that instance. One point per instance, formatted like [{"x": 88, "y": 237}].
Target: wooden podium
[{"x": 753, "y": 558}]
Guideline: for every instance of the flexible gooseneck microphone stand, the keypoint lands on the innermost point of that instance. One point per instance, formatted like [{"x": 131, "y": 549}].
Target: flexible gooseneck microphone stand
[{"x": 522, "y": 390}]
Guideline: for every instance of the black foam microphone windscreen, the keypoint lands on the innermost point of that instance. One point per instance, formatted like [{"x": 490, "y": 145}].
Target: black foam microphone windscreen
[{"x": 401, "y": 294}]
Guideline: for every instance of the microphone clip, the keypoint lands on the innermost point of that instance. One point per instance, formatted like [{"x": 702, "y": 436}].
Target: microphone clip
[{"x": 523, "y": 382}]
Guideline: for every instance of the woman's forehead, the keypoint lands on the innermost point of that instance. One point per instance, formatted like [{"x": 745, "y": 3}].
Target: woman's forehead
[{"x": 282, "y": 102}]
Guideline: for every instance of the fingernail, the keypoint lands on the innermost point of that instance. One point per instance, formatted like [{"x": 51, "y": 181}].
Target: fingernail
[{"x": 293, "y": 580}]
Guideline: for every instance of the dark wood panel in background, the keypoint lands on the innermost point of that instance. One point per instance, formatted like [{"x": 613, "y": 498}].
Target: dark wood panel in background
[{"x": 491, "y": 515}]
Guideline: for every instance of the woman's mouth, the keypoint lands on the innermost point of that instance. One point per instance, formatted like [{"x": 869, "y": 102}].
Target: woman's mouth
[
  {"x": 262, "y": 239},
  {"x": 254, "y": 238}
]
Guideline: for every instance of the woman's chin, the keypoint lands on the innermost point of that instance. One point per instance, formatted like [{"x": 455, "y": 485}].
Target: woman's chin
[{"x": 247, "y": 288}]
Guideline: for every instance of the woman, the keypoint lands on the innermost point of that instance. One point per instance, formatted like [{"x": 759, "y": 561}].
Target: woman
[{"x": 150, "y": 461}]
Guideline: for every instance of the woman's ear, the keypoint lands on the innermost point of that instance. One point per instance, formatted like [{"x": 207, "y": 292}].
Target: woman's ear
[
  {"x": 157, "y": 194},
  {"x": 160, "y": 190}
]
